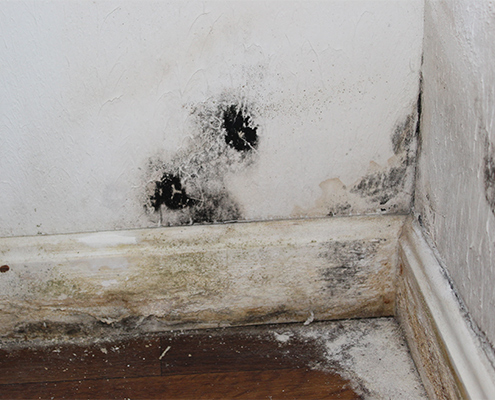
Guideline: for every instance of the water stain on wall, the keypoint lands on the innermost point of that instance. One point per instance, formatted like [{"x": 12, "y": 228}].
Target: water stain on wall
[{"x": 191, "y": 186}]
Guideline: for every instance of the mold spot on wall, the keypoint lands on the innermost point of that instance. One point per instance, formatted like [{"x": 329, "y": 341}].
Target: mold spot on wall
[
  {"x": 489, "y": 175},
  {"x": 192, "y": 185},
  {"x": 169, "y": 192},
  {"x": 404, "y": 135},
  {"x": 239, "y": 133},
  {"x": 339, "y": 209},
  {"x": 383, "y": 186},
  {"x": 216, "y": 207},
  {"x": 384, "y": 189}
]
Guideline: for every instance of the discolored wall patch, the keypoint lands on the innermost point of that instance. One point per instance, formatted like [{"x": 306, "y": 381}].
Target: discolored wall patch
[
  {"x": 191, "y": 186},
  {"x": 382, "y": 186},
  {"x": 346, "y": 259},
  {"x": 489, "y": 174},
  {"x": 383, "y": 189}
]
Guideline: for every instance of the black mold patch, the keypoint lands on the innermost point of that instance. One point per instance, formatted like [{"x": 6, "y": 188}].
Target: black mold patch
[
  {"x": 339, "y": 209},
  {"x": 191, "y": 186},
  {"x": 489, "y": 175},
  {"x": 347, "y": 259},
  {"x": 169, "y": 192},
  {"x": 239, "y": 134}
]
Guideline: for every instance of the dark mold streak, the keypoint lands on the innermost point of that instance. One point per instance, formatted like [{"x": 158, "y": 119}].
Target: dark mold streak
[
  {"x": 347, "y": 259},
  {"x": 489, "y": 175},
  {"x": 384, "y": 185}
]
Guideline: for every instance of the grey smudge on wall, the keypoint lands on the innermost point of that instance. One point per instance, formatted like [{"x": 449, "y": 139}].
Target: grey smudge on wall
[
  {"x": 191, "y": 186},
  {"x": 385, "y": 184},
  {"x": 346, "y": 260},
  {"x": 383, "y": 189},
  {"x": 489, "y": 174}
]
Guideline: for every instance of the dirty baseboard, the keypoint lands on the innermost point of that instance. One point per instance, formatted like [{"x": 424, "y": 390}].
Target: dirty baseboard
[
  {"x": 198, "y": 276},
  {"x": 449, "y": 355}
]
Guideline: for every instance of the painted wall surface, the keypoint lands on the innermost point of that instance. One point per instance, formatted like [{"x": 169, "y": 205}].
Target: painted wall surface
[
  {"x": 117, "y": 115},
  {"x": 455, "y": 194}
]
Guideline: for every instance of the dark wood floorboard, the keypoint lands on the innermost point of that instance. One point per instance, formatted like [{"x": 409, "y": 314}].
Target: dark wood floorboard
[
  {"x": 278, "y": 384},
  {"x": 247, "y": 363},
  {"x": 234, "y": 350},
  {"x": 127, "y": 358}
]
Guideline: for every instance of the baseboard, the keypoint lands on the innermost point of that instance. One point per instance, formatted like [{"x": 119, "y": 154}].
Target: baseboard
[
  {"x": 199, "y": 276},
  {"x": 447, "y": 352}
]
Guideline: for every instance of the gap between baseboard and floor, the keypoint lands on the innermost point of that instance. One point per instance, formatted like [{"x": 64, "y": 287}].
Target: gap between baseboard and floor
[{"x": 152, "y": 280}]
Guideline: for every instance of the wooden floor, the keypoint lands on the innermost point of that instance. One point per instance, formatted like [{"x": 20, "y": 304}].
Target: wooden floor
[{"x": 244, "y": 363}]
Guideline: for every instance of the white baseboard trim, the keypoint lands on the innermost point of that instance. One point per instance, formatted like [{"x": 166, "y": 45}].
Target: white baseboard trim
[
  {"x": 447, "y": 352},
  {"x": 199, "y": 276}
]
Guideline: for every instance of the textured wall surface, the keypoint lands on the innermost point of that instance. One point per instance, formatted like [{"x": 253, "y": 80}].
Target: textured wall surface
[
  {"x": 455, "y": 194},
  {"x": 121, "y": 115}
]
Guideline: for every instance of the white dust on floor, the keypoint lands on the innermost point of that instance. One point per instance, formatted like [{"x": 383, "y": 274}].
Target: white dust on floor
[{"x": 371, "y": 353}]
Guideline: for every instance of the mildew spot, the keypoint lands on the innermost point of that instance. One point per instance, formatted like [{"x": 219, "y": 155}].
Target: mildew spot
[
  {"x": 339, "y": 209},
  {"x": 404, "y": 135},
  {"x": 386, "y": 184},
  {"x": 489, "y": 175},
  {"x": 382, "y": 185},
  {"x": 347, "y": 259},
  {"x": 239, "y": 134},
  {"x": 191, "y": 186}
]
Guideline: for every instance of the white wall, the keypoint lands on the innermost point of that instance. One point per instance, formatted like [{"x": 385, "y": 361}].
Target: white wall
[
  {"x": 99, "y": 99},
  {"x": 455, "y": 194}
]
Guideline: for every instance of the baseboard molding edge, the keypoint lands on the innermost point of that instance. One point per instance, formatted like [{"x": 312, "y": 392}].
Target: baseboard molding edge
[
  {"x": 448, "y": 353},
  {"x": 198, "y": 276}
]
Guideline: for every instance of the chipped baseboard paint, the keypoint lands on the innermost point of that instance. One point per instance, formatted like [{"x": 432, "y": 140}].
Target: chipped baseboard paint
[
  {"x": 449, "y": 355},
  {"x": 199, "y": 276}
]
